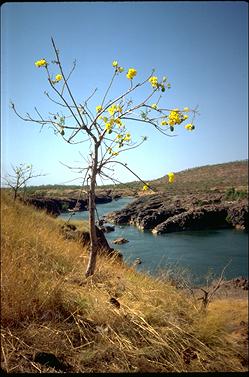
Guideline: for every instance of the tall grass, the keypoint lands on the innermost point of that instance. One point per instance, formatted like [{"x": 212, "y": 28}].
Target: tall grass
[{"x": 48, "y": 306}]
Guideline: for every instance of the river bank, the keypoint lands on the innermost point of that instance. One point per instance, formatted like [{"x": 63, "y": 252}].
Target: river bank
[{"x": 196, "y": 253}]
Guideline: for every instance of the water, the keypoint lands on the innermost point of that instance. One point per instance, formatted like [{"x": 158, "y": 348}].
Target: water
[{"x": 199, "y": 253}]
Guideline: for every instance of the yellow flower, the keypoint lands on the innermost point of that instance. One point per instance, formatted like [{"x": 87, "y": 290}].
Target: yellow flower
[
  {"x": 171, "y": 177},
  {"x": 112, "y": 109},
  {"x": 164, "y": 123},
  {"x": 58, "y": 77},
  {"x": 108, "y": 127},
  {"x": 175, "y": 117},
  {"x": 41, "y": 63},
  {"x": 190, "y": 127},
  {"x": 185, "y": 117},
  {"x": 154, "y": 106},
  {"x": 119, "y": 109},
  {"x": 119, "y": 136},
  {"x": 154, "y": 81},
  {"x": 145, "y": 188},
  {"x": 114, "y": 153},
  {"x": 127, "y": 137},
  {"x": 120, "y": 69},
  {"x": 186, "y": 109},
  {"x": 111, "y": 121},
  {"x": 114, "y": 63},
  {"x": 118, "y": 122},
  {"x": 98, "y": 108},
  {"x": 131, "y": 73}
]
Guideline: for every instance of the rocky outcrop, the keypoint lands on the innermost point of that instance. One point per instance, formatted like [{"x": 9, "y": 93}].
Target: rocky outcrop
[
  {"x": 237, "y": 216},
  {"x": 150, "y": 218},
  {"x": 52, "y": 206},
  {"x": 206, "y": 217},
  {"x": 147, "y": 206},
  {"x": 164, "y": 214},
  {"x": 55, "y": 206}
]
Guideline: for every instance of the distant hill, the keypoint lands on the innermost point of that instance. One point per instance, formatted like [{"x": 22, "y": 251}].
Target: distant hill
[{"x": 219, "y": 177}]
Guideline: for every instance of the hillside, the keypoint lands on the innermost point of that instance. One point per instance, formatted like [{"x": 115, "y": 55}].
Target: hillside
[
  {"x": 218, "y": 178},
  {"x": 53, "y": 319}
]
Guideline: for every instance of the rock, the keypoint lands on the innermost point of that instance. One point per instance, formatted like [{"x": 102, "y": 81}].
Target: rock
[
  {"x": 149, "y": 218},
  {"x": 237, "y": 215},
  {"x": 52, "y": 206},
  {"x": 206, "y": 217},
  {"x": 145, "y": 205},
  {"x": 163, "y": 214},
  {"x": 55, "y": 206},
  {"x": 137, "y": 261},
  {"x": 107, "y": 228},
  {"x": 120, "y": 241}
]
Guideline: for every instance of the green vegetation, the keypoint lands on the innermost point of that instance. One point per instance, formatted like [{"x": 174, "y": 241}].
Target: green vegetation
[
  {"x": 233, "y": 194},
  {"x": 48, "y": 305}
]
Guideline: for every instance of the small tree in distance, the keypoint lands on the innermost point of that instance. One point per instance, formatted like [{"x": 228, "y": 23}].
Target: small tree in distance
[
  {"x": 105, "y": 128},
  {"x": 19, "y": 178}
]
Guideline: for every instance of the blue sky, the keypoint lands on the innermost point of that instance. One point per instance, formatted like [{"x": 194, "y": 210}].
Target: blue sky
[{"x": 202, "y": 47}]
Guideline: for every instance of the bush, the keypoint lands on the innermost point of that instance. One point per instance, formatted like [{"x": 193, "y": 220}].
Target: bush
[{"x": 233, "y": 194}]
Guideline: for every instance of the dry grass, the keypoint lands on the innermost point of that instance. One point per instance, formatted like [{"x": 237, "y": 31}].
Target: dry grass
[{"x": 48, "y": 306}]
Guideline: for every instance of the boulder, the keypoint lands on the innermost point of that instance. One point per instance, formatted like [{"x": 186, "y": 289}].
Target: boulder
[
  {"x": 120, "y": 241},
  {"x": 107, "y": 228}
]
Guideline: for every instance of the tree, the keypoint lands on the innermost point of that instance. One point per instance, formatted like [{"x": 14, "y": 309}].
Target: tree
[
  {"x": 104, "y": 128},
  {"x": 19, "y": 178}
]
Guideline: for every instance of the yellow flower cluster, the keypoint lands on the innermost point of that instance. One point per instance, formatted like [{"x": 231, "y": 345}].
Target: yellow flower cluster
[
  {"x": 41, "y": 63},
  {"x": 154, "y": 81},
  {"x": 113, "y": 109},
  {"x": 171, "y": 177},
  {"x": 110, "y": 123},
  {"x": 190, "y": 127},
  {"x": 131, "y": 73},
  {"x": 58, "y": 77},
  {"x": 98, "y": 108},
  {"x": 176, "y": 117},
  {"x": 127, "y": 137},
  {"x": 112, "y": 152},
  {"x": 120, "y": 139},
  {"x": 145, "y": 188},
  {"x": 117, "y": 67}
]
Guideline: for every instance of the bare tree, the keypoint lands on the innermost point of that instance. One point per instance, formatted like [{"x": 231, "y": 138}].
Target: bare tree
[
  {"x": 105, "y": 128},
  {"x": 19, "y": 178},
  {"x": 208, "y": 293}
]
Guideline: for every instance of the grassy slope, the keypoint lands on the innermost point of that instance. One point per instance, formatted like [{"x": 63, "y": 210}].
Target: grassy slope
[
  {"x": 47, "y": 305},
  {"x": 200, "y": 179}
]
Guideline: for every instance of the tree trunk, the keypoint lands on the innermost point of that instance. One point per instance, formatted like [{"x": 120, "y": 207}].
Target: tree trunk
[
  {"x": 15, "y": 194},
  {"x": 92, "y": 229}
]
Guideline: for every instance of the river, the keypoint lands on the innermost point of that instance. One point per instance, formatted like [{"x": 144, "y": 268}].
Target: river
[{"x": 196, "y": 255}]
